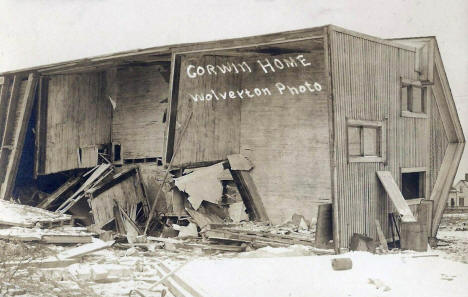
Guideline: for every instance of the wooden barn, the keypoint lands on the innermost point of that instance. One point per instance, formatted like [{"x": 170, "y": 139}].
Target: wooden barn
[{"x": 325, "y": 115}]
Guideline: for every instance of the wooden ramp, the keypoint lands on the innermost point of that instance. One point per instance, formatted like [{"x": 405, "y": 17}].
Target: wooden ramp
[
  {"x": 395, "y": 195},
  {"x": 15, "y": 110}
]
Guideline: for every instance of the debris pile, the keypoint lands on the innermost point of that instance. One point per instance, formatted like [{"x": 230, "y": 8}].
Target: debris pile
[{"x": 204, "y": 211}]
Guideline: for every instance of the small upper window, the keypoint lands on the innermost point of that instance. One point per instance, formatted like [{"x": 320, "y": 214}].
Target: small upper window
[
  {"x": 366, "y": 141},
  {"x": 413, "y": 99}
]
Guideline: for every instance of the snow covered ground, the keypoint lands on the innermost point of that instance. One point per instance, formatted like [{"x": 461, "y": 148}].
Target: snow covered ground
[
  {"x": 294, "y": 271},
  {"x": 372, "y": 275},
  {"x": 453, "y": 236}
]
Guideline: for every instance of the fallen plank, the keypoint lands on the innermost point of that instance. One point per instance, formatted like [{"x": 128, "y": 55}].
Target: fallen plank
[
  {"x": 13, "y": 214},
  {"x": 42, "y": 263},
  {"x": 172, "y": 285},
  {"x": 227, "y": 235},
  {"x": 85, "y": 249},
  {"x": 250, "y": 196},
  {"x": 203, "y": 219},
  {"x": 262, "y": 234},
  {"x": 101, "y": 170},
  {"x": 44, "y": 235},
  {"x": 239, "y": 162},
  {"x": 380, "y": 234},
  {"x": 395, "y": 195},
  {"x": 193, "y": 291},
  {"x": 59, "y": 192}
]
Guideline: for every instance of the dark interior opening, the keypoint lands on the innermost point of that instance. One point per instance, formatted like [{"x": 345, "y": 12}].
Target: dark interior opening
[
  {"x": 412, "y": 185},
  {"x": 117, "y": 153}
]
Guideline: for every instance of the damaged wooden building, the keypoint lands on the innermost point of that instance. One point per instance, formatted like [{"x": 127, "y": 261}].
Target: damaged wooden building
[{"x": 325, "y": 115}]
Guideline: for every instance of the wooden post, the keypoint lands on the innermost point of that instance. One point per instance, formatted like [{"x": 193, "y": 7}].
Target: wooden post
[
  {"x": 187, "y": 121},
  {"x": 413, "y": 236},
  {"x": 19, "y": 127},
  {"x": 324, "y": 230}
]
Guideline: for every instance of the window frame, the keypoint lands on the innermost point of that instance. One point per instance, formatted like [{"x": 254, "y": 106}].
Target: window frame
[
  {"x": 425, "y": 94},
  {"x": 381, "y": 141},
  {"x": 424, "y": 179}
]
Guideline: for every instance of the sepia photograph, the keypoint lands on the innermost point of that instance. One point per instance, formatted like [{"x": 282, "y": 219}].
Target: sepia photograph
[{"x": 249, "y": 148}]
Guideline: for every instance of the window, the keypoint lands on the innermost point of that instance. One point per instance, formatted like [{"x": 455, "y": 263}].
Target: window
[
  {"x": 413, "y": 183},
  {"x": 366, "y": 141},
  {"x": 461, "y": 201},
  {"x": 413, "y": 99}
]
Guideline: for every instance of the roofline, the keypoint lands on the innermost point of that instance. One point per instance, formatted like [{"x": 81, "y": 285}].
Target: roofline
[
  {"x": 101, "y": 60},
  {"x": 439, "y": 64},
  {"x": 166, "y": 49}
]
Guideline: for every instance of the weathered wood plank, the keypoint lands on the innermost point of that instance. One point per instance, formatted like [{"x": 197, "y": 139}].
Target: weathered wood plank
[
  {"x": 250, "y": 196},
  {"x": 138, "y": 119},
  {"x": 19, "y": 134},
  {"x": 59, "y": 192},
  {"x": 239, "y": 162},
  {"x": 395, "y": 196},
  {"x": 78, "y": 116},
  {"x": 10, "y": 113},
  {"x": 41, "y": 126},
  {"x": 4, "y": 101}
]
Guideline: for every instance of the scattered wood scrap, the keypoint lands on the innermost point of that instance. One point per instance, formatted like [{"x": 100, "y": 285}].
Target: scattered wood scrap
[
  {"x": 125, "y": 189},
  {"x": 259, "y": 239},
  {"x": 27, "y": 216},
  {"x": 85, "y": 249},
  {"x": 101, "y": 172},
  {"x": 176, "y": 284},
  {"x": 202, "y": 185},
  {"x": 250, "y": 196},
  {"x": 45, "y": 235},
  {"x": 73, "y": 181}
]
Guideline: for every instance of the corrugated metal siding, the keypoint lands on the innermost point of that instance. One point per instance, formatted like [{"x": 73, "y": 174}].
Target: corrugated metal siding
[{"x": 366, "y": 86}]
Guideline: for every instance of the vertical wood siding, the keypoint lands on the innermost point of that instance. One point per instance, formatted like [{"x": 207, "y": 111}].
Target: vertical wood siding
[
  {"x": 214, "y": 130},
  {"x": 366, "y": 86},
  {"x": 141, "y": 98},
  {"x": 285, "y": 136},
  {"x": 78, "y": 115}
]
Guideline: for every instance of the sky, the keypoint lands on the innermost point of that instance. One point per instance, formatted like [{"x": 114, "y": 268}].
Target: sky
[{"x": 37, "y": 32}]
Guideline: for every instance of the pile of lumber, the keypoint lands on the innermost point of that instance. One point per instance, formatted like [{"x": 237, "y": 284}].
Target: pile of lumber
[{"x": 257, "y": 239}]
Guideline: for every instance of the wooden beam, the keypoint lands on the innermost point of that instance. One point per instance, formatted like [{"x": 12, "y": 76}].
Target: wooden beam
[
  {"x": 59, "y": 192},
  {"x": 172, "y": 109},
  {"x": 250, "y": 196},
  {"x": 19, "y": 136},
  {"x": 41, "y": 127},
  {"x": 444, "y": 181},
  {"x": 10, "y": 111},
  {"x": 4, "y": 106}
]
